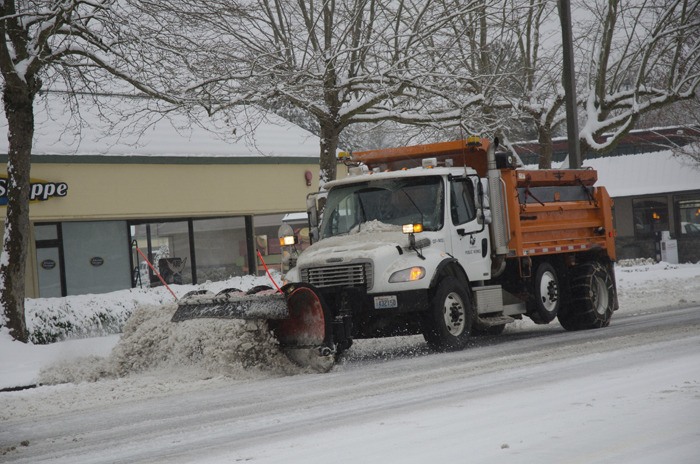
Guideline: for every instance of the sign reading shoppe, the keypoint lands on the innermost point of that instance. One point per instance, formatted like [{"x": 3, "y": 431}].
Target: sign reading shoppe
[{"x": 39, "y": 190}]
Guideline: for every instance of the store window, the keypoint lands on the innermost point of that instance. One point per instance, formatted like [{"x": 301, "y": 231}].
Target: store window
[
  {"x": 267, "y": 237},
  {"x": 220, "y": 248},
  {"x": 267, "y": 240},
  {"x": 167, "y": 246},
  {"x": 96, "y": 256},
  {"x": 689, "y": 217},
  {"x": 650, "y": 216},
  {"x": 198, "y": 250}
]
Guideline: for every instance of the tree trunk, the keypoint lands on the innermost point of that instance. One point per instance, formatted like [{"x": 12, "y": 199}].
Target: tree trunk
[
  {"x": 20, "y": 119},
  {"x": 544, "y": 137},
  {"x": 330, "y": 134}
]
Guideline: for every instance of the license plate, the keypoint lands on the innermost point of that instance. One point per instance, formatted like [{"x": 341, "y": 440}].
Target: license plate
[{"x": 386, "y": 301}]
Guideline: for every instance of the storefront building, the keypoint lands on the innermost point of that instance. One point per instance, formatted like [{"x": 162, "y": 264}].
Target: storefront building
[
  {"x": 654, "y": 193},
  {"x": 194, "y": 221},
  {"x": 197, "y": 206}
]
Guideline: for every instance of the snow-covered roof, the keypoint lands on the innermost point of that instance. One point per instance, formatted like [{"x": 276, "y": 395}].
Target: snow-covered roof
[
  {"x": 135, "y": 132},
  {"x": 646, "y": 173}
]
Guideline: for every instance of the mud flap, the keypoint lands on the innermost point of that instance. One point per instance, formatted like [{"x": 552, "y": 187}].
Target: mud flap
[{"x": 305, "y": 335}]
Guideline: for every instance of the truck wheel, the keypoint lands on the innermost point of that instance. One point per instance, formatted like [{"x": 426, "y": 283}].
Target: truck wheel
[
  {"x": 592, "y": 298},
  {"x": 545, "y": 301},
  {"x": 446, "y": 327}
]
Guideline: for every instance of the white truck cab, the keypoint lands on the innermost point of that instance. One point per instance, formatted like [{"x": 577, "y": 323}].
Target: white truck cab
[
  {"x": 364, "y": 220},
  {"x": 389, "y": 242}
]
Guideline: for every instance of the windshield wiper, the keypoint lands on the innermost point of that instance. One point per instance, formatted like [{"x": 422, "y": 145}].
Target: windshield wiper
[
  {"x": 422, "y": 218},
  {"x": 363, "y": 214}
]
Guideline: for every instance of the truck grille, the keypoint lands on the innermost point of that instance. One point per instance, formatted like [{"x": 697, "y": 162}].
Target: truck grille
[{"x": 353, "y": 275}]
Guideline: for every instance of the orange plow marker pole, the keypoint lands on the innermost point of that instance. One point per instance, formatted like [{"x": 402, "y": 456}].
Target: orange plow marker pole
[
  {"x": 268, "y": 272},
  {"x": 156, "y": 272}
]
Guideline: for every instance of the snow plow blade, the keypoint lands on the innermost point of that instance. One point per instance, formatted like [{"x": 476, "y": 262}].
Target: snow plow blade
[
  {"x": 297, "y": 316},
  {"x": 232, "y": 305}
]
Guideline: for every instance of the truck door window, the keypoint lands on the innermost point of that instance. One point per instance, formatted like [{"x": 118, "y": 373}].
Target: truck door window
[{"x": 462, "y": 208}]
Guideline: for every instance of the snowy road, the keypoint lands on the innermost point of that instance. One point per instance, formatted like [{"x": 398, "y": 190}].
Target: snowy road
[{"x": 627, "y": 393}]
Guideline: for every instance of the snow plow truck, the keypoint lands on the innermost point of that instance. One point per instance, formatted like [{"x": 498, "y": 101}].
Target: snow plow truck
[{"x": 448, "y": 240}]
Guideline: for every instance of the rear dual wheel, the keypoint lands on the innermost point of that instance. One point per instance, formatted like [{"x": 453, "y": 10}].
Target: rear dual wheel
[
  {"x": 592, "y": 298},
  {"x": 545, "y": 301}
]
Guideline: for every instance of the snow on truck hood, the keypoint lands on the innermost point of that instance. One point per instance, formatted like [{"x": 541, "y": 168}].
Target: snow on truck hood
[{"x": 361, "y": 244}]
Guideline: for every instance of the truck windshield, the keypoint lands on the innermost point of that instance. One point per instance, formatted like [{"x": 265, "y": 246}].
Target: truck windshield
[{"x": 395, "y": 202}]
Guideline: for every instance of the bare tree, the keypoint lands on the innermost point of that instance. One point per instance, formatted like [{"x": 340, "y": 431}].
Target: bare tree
[
  {"x": 645, "y": 56},
  {"x": 64, "y": 44},
  {"x": 333, "y": 63},
  {"x": 633, "y": 57},
  {"x": 685, "y": 116},
  {"x": 540, "y": 95},
  {"x": 520, "y": 48}
]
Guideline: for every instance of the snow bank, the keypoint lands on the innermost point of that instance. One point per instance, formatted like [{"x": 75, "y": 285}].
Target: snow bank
[
  {"x": 204, "y": 348},
  {"x": 93, "y": 315},
  {"x": 53, "y": 319},
  {"x": 644, "y": 284}
]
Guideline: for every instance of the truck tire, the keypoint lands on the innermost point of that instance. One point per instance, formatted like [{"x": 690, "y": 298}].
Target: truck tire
[
  {"x": 448, "y": 323},
  {"x": 592, "y": 298},
  {"x": 545, "y": 301}
]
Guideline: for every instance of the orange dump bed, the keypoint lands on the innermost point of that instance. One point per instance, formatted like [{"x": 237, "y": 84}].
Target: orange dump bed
[{"x": 557, "y": 211}]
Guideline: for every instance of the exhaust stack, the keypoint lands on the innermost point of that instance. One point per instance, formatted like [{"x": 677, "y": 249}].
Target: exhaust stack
[{"x": 499, "y": 234}]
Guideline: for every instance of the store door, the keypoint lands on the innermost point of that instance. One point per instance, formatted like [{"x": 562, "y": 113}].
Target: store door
[{"x": 49, "y": 260}]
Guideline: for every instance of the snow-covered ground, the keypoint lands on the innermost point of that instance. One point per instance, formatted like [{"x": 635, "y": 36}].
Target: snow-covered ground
[
  {"x": 641, "y": 287},
  {"x": 391, "y": 400}
]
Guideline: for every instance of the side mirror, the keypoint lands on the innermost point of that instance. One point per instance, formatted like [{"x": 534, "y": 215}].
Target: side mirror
[
  {"x": 286, "y": 235},
  {"x": 312, "y": 213},
  {"x": 483, "y": 216},
  {"x": 312, "y": 210},
  {"x": 313, "y": 235}
]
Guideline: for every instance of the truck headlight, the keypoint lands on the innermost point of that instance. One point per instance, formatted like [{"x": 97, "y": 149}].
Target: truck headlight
[{"x": 408, "y": 275}]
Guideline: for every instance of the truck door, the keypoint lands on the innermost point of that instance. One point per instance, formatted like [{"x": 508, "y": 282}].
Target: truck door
[{"x": 470, "y": 240}]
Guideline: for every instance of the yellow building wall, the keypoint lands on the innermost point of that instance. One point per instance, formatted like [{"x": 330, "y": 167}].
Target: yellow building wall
[{"x": 128, "y": 191}]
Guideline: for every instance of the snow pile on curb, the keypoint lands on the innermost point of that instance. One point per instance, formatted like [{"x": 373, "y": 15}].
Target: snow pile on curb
[
  {"x": 54, "y": 319},
  {"x": 635, "y": 262},
  {"x": 197, "y": 349},
  {"x": 644, "y": 284}
]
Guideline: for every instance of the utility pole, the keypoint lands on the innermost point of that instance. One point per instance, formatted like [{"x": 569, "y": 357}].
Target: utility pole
[{"x": 569, "y": 82}]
